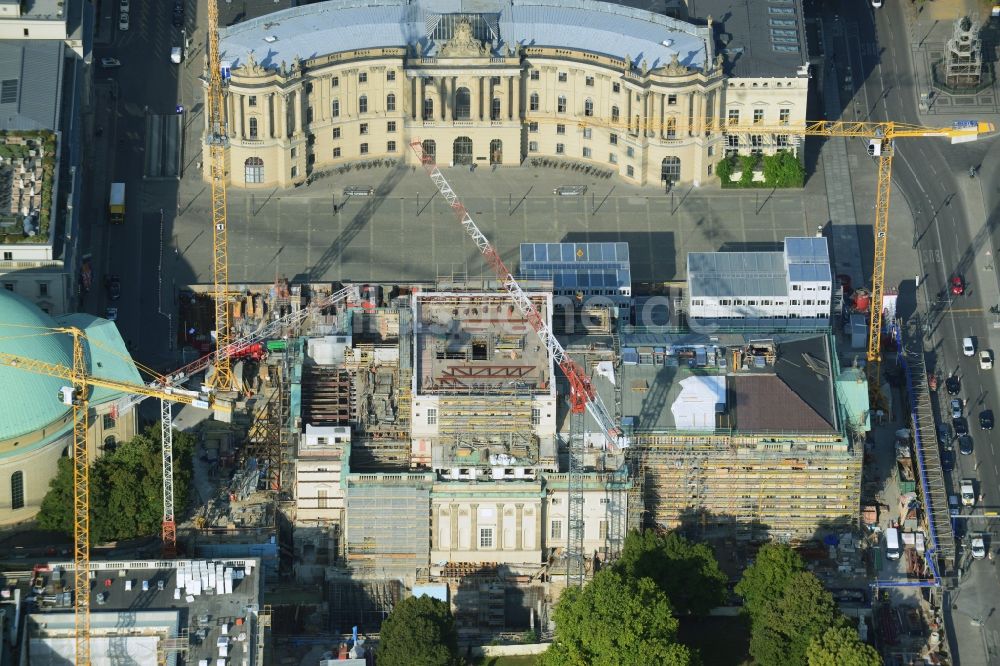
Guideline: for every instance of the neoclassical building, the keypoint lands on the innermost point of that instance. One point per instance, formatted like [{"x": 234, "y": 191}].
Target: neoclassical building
[{"x": 497, "y": 83}]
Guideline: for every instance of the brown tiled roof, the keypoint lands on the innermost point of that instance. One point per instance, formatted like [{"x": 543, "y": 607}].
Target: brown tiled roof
[{"x": 766, "y": 403}]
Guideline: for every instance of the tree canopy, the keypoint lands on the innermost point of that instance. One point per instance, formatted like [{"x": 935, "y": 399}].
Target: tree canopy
[
  {"x": 126, "y": 489},
  {"x": 841, "y": 647},
  {"x": 764, "y": 581},
  {"x": 687, "y": 572},
  {"x": 615, "y": 620},
  {"x": 420, "y": 631}
]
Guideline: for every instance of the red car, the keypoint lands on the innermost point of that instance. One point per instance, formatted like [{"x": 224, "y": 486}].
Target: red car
[{"x": 957, "y": 286}]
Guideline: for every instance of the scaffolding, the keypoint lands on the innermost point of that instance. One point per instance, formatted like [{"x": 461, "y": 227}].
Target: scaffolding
[{"x": 964, "y": 57}]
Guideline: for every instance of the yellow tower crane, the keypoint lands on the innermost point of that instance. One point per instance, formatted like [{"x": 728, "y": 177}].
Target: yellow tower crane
[
  {"x": 882, "y": 137},
  {"x": 218, "y": 142},
  {"x": 75, "y": 394}
]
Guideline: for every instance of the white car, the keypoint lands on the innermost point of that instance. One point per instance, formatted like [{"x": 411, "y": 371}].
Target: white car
[
  {"x": 109, "y": 63},
  {"x": 877, "y": 4},
  {"x": 978, "y": 548},
  {"x": 175, "y": 55},
  {"x": 123, "y": 21},
  {"x": 968, "y": 347},
  {"x": 123, "y": 5},
  {"x": 986, "y": 360}
]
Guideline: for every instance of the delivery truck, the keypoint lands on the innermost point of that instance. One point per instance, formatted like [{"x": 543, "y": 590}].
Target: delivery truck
[{"x": 116, "y": 203}]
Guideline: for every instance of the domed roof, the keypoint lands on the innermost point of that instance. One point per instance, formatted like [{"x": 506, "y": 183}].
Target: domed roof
[{"x": 31, "y": 401}]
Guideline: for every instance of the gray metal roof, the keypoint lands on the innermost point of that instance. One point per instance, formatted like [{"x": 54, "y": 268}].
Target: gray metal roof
[
  {"x": 737, "y": 274},
  {"x": 577, "y": 265},
  {"x": 30, "y": 84},
  {"x": 808, "y": 259},
  {"x": 342, "y": 25},
  {"x": 758, "y": 37}
]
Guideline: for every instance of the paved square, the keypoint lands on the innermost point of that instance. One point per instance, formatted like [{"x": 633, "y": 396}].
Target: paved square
[{"x": 405, "y": 234}]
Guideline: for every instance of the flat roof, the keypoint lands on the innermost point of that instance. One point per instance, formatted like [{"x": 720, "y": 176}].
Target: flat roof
[
  {"x": 577, "y": 265},
  {"x": 737, "y": 274},
  {"x": 31, "y": 73},
  {"x": 344, "y": 25},
  {"x": 759, "y": 38},
  {"x": 479, "y": 344}
]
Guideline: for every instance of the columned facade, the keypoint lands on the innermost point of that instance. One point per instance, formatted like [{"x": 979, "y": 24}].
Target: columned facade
[{"x": 513, "y": 104}]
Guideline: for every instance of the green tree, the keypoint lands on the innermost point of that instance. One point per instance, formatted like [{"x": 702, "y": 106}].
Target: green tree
[
  {"x": 841, "y": 647},
  {"x": 724, "y": 170},
  {"x": 420, "y": 631},
  {"x": 781, "y": 633},
  {"x": 126, "y": 489},
  {"x": 615, "y": 621},
  {"x": 763, "y": 583},
  {"x": 687, "y": 572}
]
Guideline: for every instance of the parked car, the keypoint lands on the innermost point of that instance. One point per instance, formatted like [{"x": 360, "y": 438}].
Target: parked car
[
  {"x": 948, "y": 461},
  {"x": 957, "y": 285},
  {"x": 111, "y": 314},
  {"x": 956, "y": 408},
  {"x": 986, "y": 419},
  {"x": 123, "y": 21},
  {"x": 985, "y": 359},
  {"x": 178, "y": 19},
  {"x": 953, "y": 384},
  {"x": 114, "y": 287},
  {"x": 961, "y": 426},
  {"x": 968, "y": 347},
  {"x": 944, "y": 435},
  {"x": 965, "y": 445},
  {"x": 110, "y": 63}
]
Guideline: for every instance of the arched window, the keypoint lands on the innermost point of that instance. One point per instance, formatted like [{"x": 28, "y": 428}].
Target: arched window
[
  {"x": 463, "y": 104},
  {"x": 390, "y": 102},
  {"x": 671, "y": 127},
  {"x": 561, "y": 105},
  {"x": 496, "y": 151},
  {"x": 430, "y": 148},
  {"x": 588, "y": 107},
  {"x": 615, "y": 115},
  {"x": 428, "y": 109},
  {"x": 253, "y": 170},
  {"x": 17, "y": 490},
  {"x": 533, "y": 102},
  {"x": 495, "y": 109},
  {"x": 363, "y": 104},
  {"x": 670, "y": 169},
  {"x": 253, "y": 128},
  {"x": 462, "y": 152}
]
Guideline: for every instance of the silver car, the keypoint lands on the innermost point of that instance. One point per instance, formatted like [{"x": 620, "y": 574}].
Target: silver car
[{"x": 956, "y": 408}]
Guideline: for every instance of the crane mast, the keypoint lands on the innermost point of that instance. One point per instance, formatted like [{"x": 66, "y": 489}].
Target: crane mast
[
  {"x": 218, "y": 140},
  {"x": 81, "y": 505}
]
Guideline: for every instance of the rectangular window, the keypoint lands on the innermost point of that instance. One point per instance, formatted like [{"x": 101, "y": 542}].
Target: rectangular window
[
  {"x": 335, "y": 82},
  {"x": 17, "y": 490},
  {"x": 562, "y": 77},
  {"x": 486, "y": 537},
  {"x": 364, "y": 149},
  {"x": 616, "y": 87},
  {"x": 733, "y": 116},
  {"x": 432, "y": 416},
  {"x": 321, "y": 496},
  {"x": 630, "y": 171},
  {"x": 309, "y": 114},
  {"x": 533, "y": 127},
  {"x": 536, "y": 416},
  {"x": 784, "y": 115},
  {"x": 336, "y": 132},
  {"x": 560, "y": 149},
  {"x": 586, "y": 152},
  {"x": 335, "y": 109},
  {"x": 252, "y": 100},
  {"x": 363, "y": 77},
  {"x": 108, "y": 421},
  {"x": 602, "y": 530},
  {"x": 495, "y": 80},
  {"x": 589, "y": 81},
  {"x": 8, "y": 256},
  {"x": 555, "y": 530},
  {"x": 390, "y": 126},
  {"x": 756, "y": 140},
  {"x": 390, "y": 75},
  {"x": 613, "y": 139},
  {"x": 364, "y": 128},
  {"x": 758, "y": 116},
  {"x": 733, "y": 141},
  {"x": 43, "y": 289},
  {"x": 587, "y": 132},
  {"x": 560, "y": 129},
  {"x": 362, "y": 104},
  {"x": 612, "y": 158},
  {"x": 781, "y": 140},
  {"x": 390, "y": 146},
  {"x": 532, "y": 148},
  {"x": 336, "y": 151},
  {"x": 534, "y": 75},
  {"x": 630, "y": 151},
  {"x": 672, "y": 100},
  {"x": 561, "y": 105}
]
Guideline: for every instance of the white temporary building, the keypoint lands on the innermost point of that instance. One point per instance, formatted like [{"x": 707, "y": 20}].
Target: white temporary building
[{"x": 700, "y": 399}]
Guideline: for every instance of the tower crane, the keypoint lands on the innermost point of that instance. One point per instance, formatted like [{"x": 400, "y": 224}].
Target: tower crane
[
  {"x": 75, "y": 395},
  {"x": 218, "y": 142},
  {"x": 582, "y": 395}
]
